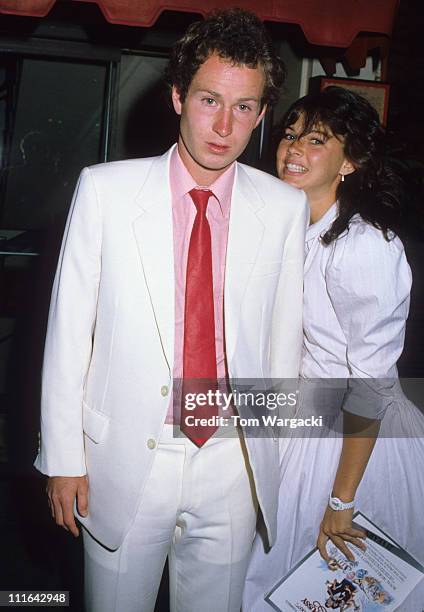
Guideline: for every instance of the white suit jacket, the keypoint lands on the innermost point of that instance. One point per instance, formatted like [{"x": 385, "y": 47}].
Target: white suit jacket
[{"x": 110, "y": 340}]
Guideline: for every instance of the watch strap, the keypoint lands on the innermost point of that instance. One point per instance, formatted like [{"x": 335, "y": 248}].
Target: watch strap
[{"x": 337, "y": 504}]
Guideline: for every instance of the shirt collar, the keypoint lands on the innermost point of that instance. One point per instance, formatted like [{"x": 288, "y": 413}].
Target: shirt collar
[
  {"x": 182, "y": 182},
  {"x": 319, "y": 227}
]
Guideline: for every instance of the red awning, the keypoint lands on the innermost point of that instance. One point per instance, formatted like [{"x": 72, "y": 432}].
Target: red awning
[{"x": 332, "y": 23}]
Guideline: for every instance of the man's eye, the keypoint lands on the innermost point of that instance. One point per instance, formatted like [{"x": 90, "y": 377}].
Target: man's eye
[
  {"x": 244, "y": 107},
  {"x": 208, "y": 101}
]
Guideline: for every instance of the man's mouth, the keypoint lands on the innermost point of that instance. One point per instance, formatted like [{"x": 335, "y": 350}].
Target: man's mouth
[{"x": 216, "y": 148}]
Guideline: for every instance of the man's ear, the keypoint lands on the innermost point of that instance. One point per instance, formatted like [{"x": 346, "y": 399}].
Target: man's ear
[
  {"x": 176, "y": 100},
  {"x": 261, "y": 115},
  {"x": 347, "y": 167}
]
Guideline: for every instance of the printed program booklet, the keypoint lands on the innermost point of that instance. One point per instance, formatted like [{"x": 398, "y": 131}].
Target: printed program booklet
[{"x": 379, "y": 579}]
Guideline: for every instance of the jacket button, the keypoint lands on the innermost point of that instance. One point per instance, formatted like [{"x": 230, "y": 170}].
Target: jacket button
[
  {"x": 164, "y": 390},
  {"x": 151, "y": 444}
]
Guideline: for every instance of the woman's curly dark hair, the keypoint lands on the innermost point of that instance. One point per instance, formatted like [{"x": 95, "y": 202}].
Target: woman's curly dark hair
[
  {"x": 235, "y": 35},
  {"x": 374, "y": 190}
]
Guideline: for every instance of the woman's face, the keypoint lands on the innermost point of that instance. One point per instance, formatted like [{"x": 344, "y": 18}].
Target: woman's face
[{"x": 313, "y": 162}]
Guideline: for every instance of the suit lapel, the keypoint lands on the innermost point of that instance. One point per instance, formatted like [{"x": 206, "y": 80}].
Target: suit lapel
[
  {"x": 244, "y": 241},
  {"x": 154, "y": 235}
]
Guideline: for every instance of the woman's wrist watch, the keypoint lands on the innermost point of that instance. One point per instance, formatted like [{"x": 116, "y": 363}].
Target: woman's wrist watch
[{"x": 336, "y": 504}]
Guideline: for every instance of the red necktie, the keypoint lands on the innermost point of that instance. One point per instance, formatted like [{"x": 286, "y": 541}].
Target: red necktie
[{"x": 199, "y": 355}]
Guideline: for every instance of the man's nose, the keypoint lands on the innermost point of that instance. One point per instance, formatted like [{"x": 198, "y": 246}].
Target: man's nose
[{"x": 223, "y": 124}]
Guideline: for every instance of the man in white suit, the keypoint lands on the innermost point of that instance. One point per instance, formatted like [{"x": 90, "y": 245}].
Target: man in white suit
[{"x": 123, "y": 319}]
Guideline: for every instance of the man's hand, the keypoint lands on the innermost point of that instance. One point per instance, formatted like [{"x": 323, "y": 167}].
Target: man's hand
[
  {"x": 337, "y": 527},
  {"x": 61, "y": 493}
]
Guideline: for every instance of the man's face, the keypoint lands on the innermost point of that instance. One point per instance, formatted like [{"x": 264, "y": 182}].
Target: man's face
[{"x": 221, "y": 109}]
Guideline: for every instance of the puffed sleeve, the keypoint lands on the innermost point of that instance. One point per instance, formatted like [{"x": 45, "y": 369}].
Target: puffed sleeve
[{"x": 369, "y": 281}]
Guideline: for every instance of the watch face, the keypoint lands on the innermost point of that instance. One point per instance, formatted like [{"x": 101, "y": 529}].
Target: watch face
[{"x": 335, "y": 503}]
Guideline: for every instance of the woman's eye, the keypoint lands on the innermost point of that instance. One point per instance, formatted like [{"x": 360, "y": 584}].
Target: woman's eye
[
  {"x": 289, "y": 136},
  {"x": 317, "y": 141}
]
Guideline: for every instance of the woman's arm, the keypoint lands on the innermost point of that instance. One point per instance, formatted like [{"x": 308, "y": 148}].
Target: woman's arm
[
  {"x": 368, "y": 282},
  {"x": 356, "y": 451}
]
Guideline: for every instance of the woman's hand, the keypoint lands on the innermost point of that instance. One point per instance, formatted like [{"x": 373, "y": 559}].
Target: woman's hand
[{"x": 337, "y": 527}]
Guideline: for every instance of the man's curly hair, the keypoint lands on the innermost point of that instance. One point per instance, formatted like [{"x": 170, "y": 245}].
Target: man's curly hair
[{"x": 235, "y": 35}]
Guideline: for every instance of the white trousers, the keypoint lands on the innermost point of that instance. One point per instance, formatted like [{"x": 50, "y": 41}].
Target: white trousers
[{"x": 199, "y": 508}]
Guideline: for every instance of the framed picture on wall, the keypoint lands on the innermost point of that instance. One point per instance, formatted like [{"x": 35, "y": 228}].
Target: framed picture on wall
[{"x": 375, "y": 92}]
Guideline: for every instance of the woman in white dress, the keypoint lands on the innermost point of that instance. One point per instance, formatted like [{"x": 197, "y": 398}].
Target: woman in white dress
[{"x": 357, "y": 284}]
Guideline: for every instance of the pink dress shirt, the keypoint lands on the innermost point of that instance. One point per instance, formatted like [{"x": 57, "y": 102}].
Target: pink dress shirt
[{"x": 183, "y": 214}]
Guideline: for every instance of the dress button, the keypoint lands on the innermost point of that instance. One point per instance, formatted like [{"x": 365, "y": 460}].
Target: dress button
[
  {"x": 151, "y": 444},
  {"x": 164, "y": 390}
]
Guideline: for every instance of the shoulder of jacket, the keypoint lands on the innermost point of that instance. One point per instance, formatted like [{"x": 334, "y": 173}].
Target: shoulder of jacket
[
  {"x": 131, "y": 166},
  {"x": 259, "y": 176},
  {"x": 126, "y": 175},
  {"x": 269, "y": 185}
]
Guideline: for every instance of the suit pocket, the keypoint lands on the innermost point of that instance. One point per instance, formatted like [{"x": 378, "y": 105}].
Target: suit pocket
[{"x": 94, "y": 423}]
